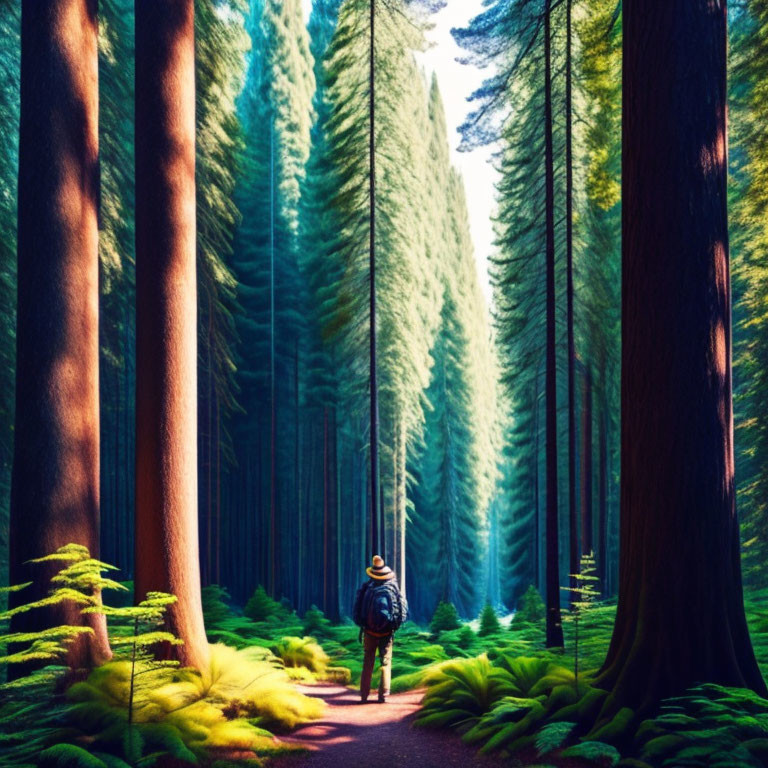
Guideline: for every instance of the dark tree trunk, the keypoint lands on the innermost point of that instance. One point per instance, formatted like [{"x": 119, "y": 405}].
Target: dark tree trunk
[
  {"x": 573, "y": 532},
  {"x": 55, "y": 482},
  {"x": 602, "y": 503},
  {"x": 680, "y": 618},
  {"x": 332, "y": 601},
  {"x": 273, "y": 526},
  {"x": 554, "y": 625},
  {"x": 326, "y": 502},
  {"x": 377, "y": 523},
  {"x": 167, "y": 551},
  {"x": 586, "y": 465},
  {"x": 536, "y": 501}
]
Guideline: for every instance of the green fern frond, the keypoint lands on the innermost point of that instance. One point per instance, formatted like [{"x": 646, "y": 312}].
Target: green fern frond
[{"x": 68, "y": 756}]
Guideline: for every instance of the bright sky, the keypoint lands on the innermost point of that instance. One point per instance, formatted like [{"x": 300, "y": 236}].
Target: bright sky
[{"x": 457, "y": 82}]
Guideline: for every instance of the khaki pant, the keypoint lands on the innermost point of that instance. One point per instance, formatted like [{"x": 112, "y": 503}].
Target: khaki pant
[{"x": 384, "y": 646}]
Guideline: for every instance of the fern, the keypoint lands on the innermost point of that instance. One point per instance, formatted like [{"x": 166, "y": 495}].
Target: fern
[
  {"x": 710, "y": 725},
  {"x": 460, "y": 692},
  {"x": 302, "y": 652},
  {"x": 531, "y": 677},
  {"x": 68, "y": 756},
  {"x": 552, "y": 736},
  {"x": 594, "y": 751}
]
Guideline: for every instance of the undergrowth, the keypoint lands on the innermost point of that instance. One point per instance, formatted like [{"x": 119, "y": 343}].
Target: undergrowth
[{"x": 499, "y": 688}]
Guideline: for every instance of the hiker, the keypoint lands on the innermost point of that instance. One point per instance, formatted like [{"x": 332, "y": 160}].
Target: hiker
[{"x": 379, "y": 611}]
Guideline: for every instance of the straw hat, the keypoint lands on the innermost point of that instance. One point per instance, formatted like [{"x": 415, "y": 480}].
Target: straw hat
[{"x": 380, "y": 571}]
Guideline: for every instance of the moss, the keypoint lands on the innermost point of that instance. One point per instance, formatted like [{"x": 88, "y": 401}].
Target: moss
[
  {"x": 617, "y": 730},
  {"x": 585, "y": 709}
]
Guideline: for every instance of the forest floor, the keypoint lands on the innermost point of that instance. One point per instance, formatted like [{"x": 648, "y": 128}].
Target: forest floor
[{"x": 352, "y": 734}]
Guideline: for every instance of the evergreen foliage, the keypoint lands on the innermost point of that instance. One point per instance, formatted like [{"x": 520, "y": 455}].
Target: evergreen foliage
[
  {"x": 261, "y": 606},
  {"x": 530, "y": 610},
  {"x": 583, "y": 597},
  {"x": 445, "y": 618},
  {"x": 489, "y": 621},
  {"x": 749, "y": 67}
]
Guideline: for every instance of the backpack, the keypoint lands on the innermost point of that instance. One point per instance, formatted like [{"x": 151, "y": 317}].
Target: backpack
[{"x": 378, "y": 608}]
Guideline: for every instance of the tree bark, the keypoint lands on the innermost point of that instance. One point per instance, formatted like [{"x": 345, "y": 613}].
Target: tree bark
[
  {"x": 680, "y": 618},
  {"x": 167, "y": 547},
  {"x": 602, "y": 503},
  {"x": 401, "y": 503},
  {"x": 377, "y": 515},
  {"x": 586, "y": 465},
  {"x": 55, "y": 481},
  {"x": 573, "y": 533},
  {"x": 554, "y": 625}
]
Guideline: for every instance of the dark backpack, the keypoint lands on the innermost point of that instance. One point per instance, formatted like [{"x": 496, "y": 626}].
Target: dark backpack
[{"x": 378, "y": 608}]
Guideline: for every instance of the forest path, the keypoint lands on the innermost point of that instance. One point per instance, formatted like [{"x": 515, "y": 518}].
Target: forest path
[{"x": 353, "y": 735}]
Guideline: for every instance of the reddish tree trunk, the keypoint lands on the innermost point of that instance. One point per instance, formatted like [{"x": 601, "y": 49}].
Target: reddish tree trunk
[
  {"x": 55, "y": 483},
  {"x": 680, "y": 618},
  {"x": 554, "y": 625},
  {"x": 167, "y": 544}
]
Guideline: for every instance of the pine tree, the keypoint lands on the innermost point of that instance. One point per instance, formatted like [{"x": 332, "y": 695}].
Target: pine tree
[
  {"x": 167, "y": 546},
  {"x": 405, "y": 317},
  {"x": 676, "y": 451},
  {"x": 276, "y": 112},
  {"x": 9, "y": 110},
  {"x": 221, "y": 44},
  {"x": 749, "y": 171},
  {"x": 55, "y": 486}
]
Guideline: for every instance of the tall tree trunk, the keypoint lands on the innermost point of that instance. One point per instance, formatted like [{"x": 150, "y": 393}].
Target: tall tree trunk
[
  {"x": 554, "y": 625},
  {"x": 680, "y": 617},
  {"x": 55, "y": 482},
  {"x": 377, "y": 522},
  {"x": 167, "y": 546},
  {"x": 586, "y": 464},
  {"x": 273, "y": 531},
  {"x": 298, "y": 480},
  {"x": 536, "y": 503},
  {"x": 326, "y": 502},
  {"x": 602, "y": 503},
  {"x": 402, "y": 501},
  {"x": 218, "y": 490},
  {"x": 573, "y": 532},
  {"x": 332, "y": 605},
  {"x": 209, "y": 449}
]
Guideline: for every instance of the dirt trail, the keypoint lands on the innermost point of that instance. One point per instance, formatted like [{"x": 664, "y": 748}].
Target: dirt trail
[{"x": 353, "y": 735}]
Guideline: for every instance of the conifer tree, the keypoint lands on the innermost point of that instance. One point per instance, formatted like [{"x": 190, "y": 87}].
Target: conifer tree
[
  {"x": 55, "y": 486},
  {"x": 220, "y": 44},
  {"x": 167, "y": 546},
  {"x": 9, "y": 112},
  {"x": 276, "y": 113},
  {"x": 749, "y": 172},
  {"x": 405, "y": 318},
  {"x": 677, "y": 452}
]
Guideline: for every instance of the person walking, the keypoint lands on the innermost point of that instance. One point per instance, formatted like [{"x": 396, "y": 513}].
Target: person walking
[{"x": 380, "y": 610}]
